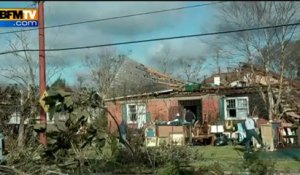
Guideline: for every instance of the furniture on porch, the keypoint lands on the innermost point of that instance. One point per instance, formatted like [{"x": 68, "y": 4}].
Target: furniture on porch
[
  {"x": 276, "y": 134},
  {"x": 289, "y": 135},
  {"x": 203, "y": 132},
  {"x": 203, "y": 137}
]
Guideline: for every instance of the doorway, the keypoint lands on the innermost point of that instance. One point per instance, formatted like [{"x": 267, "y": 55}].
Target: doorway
[{"x": 192, "y": 105}]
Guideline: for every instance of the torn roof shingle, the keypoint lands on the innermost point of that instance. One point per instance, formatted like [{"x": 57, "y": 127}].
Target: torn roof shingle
[{"x": 135, "y": 78}]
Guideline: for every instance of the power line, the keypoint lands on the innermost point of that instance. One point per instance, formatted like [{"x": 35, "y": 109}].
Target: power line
[
  {"x": 116, "y": 17},
  {"x": 151, "y": 40}
]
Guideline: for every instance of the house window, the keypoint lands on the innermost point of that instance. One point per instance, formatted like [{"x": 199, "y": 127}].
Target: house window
[
  {"x": 48, "y": 119},
  {"x": 236, "y": 108},
  {"x": 136, "y": 113}
]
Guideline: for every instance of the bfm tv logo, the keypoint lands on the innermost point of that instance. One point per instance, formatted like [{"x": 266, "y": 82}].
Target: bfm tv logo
[{"x": 19, "y": 18}]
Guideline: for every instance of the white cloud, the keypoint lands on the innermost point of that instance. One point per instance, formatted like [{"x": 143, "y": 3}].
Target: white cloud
[
  {"x": 126, "y": 29},
  {"x": 98, "y": 32},
  {"x": 190, "y": 47},
  {"x": 66, "y": 12}
]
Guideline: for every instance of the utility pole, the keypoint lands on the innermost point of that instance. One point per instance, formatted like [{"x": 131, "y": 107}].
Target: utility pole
[{"x": 42, "y": 64}]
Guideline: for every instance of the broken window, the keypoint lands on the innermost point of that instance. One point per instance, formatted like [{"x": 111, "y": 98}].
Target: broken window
[
  {"x": 132, "y": 113},
  {"x": 136, "y": 113},
  {"x": 236, "y": 108}
]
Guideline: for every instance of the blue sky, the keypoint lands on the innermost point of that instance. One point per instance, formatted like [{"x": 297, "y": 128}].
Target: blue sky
[{"x": 181, "y": 22}]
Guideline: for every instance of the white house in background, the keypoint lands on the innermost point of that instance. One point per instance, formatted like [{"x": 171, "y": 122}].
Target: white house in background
[{"x": 16, "y": 117}]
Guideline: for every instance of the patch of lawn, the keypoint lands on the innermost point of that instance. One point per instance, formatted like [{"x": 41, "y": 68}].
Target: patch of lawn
[
  {"x": 231, "y": 157},
  {"x": 221, "y": 152}
]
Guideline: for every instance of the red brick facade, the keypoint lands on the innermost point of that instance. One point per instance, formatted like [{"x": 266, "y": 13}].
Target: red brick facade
[
  {"x": 165, "y": 109},
  {"x": 210, "y": 108},
  {"x": 116, "y": 110},
  {"x": 159, "y": 109},
  {"x": 162, "y": 109}
]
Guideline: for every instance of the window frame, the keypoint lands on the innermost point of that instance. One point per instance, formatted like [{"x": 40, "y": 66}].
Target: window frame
[
  {"x": 238, "y": 107},
  {"x": 138, "y": 113}
]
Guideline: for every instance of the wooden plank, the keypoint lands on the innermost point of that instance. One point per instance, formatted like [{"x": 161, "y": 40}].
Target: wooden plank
[
  {"x": 290, "y": 136},
  {"x": 166, "y": 130},
  {"x": 268, "y": 135}
]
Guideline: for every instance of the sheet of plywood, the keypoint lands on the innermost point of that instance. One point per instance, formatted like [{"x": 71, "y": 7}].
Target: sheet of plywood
[
  {"x": 165, "y": 131},
  {"x": 267, "y": 135}
]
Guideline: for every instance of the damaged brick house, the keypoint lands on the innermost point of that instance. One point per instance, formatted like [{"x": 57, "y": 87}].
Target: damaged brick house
[{"x": 218, "y": 99}]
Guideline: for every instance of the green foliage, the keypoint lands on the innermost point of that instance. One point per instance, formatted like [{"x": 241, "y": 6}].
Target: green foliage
[
  {"x": 39, "y": 127},
  {"x": 58, "y": 101},
  {"x": 258, "y": 166},
  {"x": 94, "y": 151},
  {"x": 161, "y": 160},
  {"x": 67, "y": 144},
  {"x": 169, "y": 169}
]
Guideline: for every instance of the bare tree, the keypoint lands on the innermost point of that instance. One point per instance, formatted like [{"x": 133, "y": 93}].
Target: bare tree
[
  {"x": 80, "y": 79},
  {"x": 164, "y": 60},
  {"x": 259, "y": 44},
  {"x": 24, "y": 72},
  {"x": 24, "y": 75},
  {"x": 189, "y": 68},
  {"x": 218, "y": 52},
  {"x": 103, "y": 68},
  {"x": 292, "y": 61}
]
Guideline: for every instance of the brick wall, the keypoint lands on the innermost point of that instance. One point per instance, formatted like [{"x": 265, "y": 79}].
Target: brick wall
[
  {"x": 162, "y": 109},
  {"x": 159, "y": 109},
  {"x": 116, "y": 110},
  {"x": 210, "y": 108}
]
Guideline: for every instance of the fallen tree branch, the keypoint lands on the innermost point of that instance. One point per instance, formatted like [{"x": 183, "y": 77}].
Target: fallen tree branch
[
  {"x": 122, "y": 139},
  {"x": 11, "y": 170},
  {"x": 55, "y": 172}
]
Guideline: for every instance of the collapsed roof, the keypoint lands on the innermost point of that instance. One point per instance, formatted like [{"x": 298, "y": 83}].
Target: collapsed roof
[
  {"x": 290, "y": 95},
  {"x": 135, "y": 78}
]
